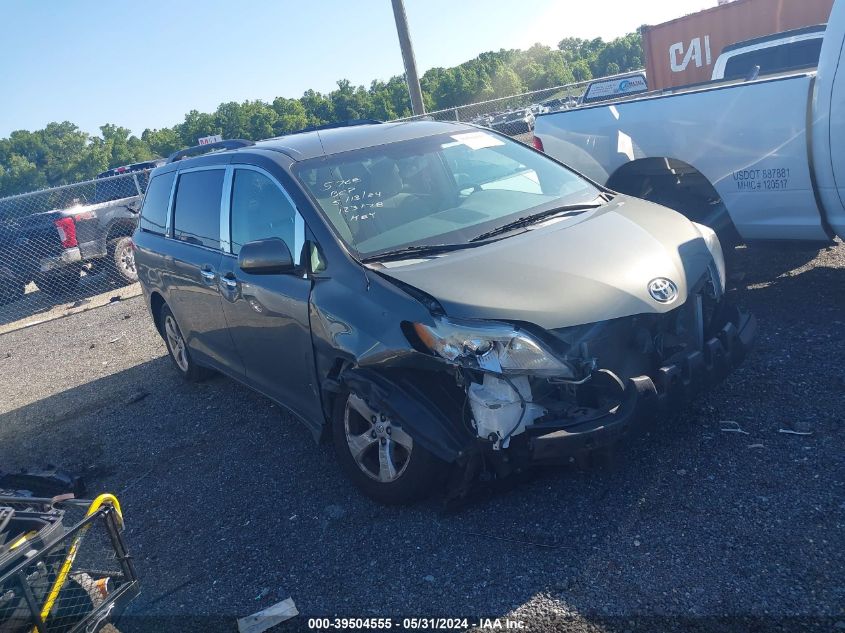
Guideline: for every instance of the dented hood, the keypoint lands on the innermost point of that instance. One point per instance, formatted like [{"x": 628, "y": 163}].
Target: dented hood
[{"x": 567, "y": 271}]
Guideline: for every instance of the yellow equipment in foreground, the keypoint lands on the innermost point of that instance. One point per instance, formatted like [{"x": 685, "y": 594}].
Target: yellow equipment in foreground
[{"x": 65, "y": 567}]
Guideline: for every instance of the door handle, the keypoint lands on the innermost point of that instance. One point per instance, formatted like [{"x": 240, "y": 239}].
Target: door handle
[
  {"x": 230, "y": 282},
  {"x": 208, "y": 274}
]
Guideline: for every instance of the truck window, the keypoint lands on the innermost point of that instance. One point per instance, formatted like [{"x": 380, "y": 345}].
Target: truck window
[
  {"x": 196, "y": 212},
  {"x": 792, "y": 56},
  {"x": 115, "y": 188},
  {"x": 154, "y": 211},
  {"x": 803, "y": 54}
]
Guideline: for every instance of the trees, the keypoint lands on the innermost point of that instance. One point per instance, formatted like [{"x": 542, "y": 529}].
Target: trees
[
  {"x": 121, "y": 147},
  {"x": 318, "y": 108},
  {"x": 62, "y": 153},
  {"x": 390, "y": 100},
  {"x": 620, "y": 55},
  {"x": 162, "y": 142},
  {"x": 290, "y": 115},
  {"x": 506, "y": 82},
  {"x": 196, "y": 125},
  {"x": 20, "y": 174},
  {"x": 596, "y": 58}
]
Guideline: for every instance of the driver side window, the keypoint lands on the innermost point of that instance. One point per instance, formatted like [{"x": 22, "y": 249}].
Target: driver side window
[{"x": 260, "y": 210}]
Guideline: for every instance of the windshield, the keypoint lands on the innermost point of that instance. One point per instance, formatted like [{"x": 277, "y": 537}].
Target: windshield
[{"x": 444, "y": 189}]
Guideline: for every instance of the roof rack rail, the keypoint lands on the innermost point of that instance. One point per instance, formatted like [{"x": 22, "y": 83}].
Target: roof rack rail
[
  {"x": 347, "y": 123},
  {"x": 234, "y": 143}
]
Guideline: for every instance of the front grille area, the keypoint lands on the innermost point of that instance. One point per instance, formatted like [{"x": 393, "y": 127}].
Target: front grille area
[{"x": 640, "y": 344}]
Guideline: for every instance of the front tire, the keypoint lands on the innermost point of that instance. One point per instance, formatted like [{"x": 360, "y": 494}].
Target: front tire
[
  {"x": 379, "y": 456},
  {"x": 178, "y": 348}
]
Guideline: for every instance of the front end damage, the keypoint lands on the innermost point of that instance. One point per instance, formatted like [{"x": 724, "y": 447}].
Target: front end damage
[
  {"x": 514, "y": 394},
  {"x": 608, "y": 404}
]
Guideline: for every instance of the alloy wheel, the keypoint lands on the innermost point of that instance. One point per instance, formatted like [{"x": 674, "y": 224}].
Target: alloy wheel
[
  {"x": 126, "y": 258},
  {"x": 380, "y": 448},
  {"x": 176, "y": 343}
]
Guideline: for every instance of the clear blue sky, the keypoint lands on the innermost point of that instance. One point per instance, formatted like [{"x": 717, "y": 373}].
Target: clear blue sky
[{"x": 146, "y": 63}]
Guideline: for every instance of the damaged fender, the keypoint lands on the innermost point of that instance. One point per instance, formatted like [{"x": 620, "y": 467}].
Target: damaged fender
[
  {"x": 359, "y": 344},
  {"x": 424, "y": 413}
]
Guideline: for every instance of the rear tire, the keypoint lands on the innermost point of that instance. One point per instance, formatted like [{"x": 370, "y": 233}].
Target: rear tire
[
  {"x": 122, "y": 260},
  {"x": 60, "y": 281},
  {"x": 380, "y": 458},
  {"x": 178, "y": 349}
]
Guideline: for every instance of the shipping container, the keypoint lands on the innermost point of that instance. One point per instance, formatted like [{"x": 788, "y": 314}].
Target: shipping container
[{"x": 683, "y": 51}]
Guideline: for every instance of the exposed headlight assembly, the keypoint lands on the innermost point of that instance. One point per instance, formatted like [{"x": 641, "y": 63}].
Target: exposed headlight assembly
[{"x": 496, "y": 347}]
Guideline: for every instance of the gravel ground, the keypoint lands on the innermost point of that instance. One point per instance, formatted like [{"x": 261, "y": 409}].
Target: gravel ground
[
  {"x": 37, "y": 307},
  {"x": 231, "y": 506}
]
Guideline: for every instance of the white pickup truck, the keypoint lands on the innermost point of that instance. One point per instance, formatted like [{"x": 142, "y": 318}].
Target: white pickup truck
[{"x": 757, "y": 160}]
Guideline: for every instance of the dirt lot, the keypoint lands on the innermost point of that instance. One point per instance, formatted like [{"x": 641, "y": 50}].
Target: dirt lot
[
  {"x": 38, "y": 307},
  {"x": 232, "y": 507}
]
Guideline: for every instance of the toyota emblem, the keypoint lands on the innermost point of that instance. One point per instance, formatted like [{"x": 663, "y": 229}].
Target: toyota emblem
[{"x": 663, "y": 290}]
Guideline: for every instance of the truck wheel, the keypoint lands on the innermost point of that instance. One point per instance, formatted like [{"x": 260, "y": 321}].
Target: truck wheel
[
  {"x": 123, "y": 259},
  {"x": 60, "y": 281},
  {"x": 379, "y": 456},
  {"x": 178, "y": 348}
]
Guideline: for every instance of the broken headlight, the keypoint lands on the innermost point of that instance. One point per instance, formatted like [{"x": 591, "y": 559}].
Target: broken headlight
[{"x": 496, "y": 347}]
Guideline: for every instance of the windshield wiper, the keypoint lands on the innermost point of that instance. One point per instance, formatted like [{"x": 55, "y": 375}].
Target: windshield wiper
[
  {"x": 536, "y": 217},
  {"x": 417, "y": 249}
]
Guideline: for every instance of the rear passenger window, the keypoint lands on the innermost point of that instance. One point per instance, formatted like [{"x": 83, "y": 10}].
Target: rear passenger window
[
  {"x": 154, "y": 211},
  {"x": 260, "y": 210},
  {"x": 196, "y": 213},
  {"x": 792, "y": 56},
  {"x": 803, "y": 54}
]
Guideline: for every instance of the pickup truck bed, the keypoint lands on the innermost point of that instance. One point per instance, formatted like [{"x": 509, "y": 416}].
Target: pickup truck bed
[{"x": 733, "y": 155}]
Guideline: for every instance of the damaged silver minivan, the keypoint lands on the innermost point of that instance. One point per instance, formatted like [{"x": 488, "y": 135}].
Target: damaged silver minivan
[{"x": 435, "y": 296}]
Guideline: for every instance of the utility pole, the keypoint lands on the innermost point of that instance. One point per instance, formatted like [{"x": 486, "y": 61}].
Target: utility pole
[{"x": 411, "y": 76}]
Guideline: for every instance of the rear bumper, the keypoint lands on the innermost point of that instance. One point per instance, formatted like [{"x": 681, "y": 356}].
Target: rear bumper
[
  {"x": 646, "y": 397},
  {"x": 93, "y": 249},
  {"x": 67, "y": 256}
]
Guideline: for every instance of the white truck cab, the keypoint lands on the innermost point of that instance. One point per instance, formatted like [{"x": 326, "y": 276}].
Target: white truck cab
[
  {"x": 757, "y": 160},
  {"x": 798, "y": 49}
]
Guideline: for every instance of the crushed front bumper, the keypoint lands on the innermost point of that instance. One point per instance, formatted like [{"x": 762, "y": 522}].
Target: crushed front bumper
[{"x": 645, "y": 397}]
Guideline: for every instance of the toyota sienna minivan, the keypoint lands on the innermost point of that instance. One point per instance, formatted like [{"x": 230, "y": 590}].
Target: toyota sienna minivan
[{"x": 435, "y": 297}]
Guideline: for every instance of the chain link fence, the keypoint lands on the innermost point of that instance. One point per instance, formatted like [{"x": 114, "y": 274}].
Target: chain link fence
[
  {"x": 513, "y": 115},
  {"x": 61, "y": 246}
]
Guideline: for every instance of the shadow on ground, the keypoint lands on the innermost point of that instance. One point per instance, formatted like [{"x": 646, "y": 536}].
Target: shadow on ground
[{"x": 36, "y": 301}]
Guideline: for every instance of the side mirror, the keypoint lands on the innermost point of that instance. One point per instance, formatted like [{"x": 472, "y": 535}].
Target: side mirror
[{"x": 266, "y": 257}]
